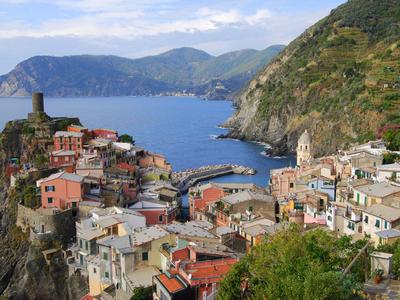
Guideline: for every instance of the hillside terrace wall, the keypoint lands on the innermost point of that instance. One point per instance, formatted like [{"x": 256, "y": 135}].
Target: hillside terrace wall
[{"x": 60, "y": 225}]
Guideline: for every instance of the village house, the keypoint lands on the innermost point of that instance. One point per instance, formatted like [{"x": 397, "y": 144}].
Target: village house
[
  {"x": 103, "y": 133},
  {"x": 244, "y": 206},
  {"x": 390, "y": 172},
  {"x": 77, "y": 128},
  {"x": 63, "y": 159},
  {"x": 61, "y": 190},
  {"x": 363, "y": 163},
  {"x": 102, "y": 149},
  {"x": 156, "y": 211},
  {"x": 102, "y": 222},
  {"x": 196, "y": 272},
  {"x": 69, "y": 141},
  {"x": 153, "y": 160},
  {"x": 127, "y": 262},
  {"x": 203, "y": 194},
  {"x": 376, "y": 193},
  {"x": 282, "y": 182},
  {"x": 377, "y": 218}
]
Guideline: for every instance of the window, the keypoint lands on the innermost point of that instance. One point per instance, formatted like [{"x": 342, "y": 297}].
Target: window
[
  {"x": 66, "y": 158},
  {"x": 291, "y": 185},
  {"x": 73, "y": 204},
  {"x": 56, "y": 159},
  {"x": 106, "y": 275},
  {"x": 386, "y": 225},
  {"x": 105, "y": 255},
  {"x": 80, "y": 244},
  {"x": 378, "y": 223},
  {"x": 50, "y": 200},
  {"x": 351, "y": 225},
  {"x": 365, "y": 200},
  {"x": 86, "y": 245},
  {"x": 321, "y": 202},
  {"x": 160, "y": 218},
  {"x": 329, "y": 218},
  {"x": 145, "y": 256},
  {"x": 312, "y": 185},
  {"x": 50, "y": 188},
  {"x": 94, "y": 270},
  {"x": 366, "y": 219},
  {"x": 358, "y": 198}
]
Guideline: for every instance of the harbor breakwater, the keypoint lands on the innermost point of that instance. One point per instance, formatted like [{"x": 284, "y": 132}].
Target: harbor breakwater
[{"x": 183, "y": 180}]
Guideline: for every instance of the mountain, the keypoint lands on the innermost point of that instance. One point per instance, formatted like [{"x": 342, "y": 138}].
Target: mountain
[
  {"x": 340, "y": 80},
  {"x": 178, "y": 70}
]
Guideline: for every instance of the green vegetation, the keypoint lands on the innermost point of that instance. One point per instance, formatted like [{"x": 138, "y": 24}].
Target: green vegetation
[
  {"x": 126, "y": 138},
  {"x": 395, "y": 250},
  {"x": 392, "y": 138},
  {"x": 142, "y": 293},
  {"x": 30, "y": 197},
  {"x": 41, "y": 161},
  {"x": 341, "y": 76},
  {"x": 175, "y": 70},
  {"x": 295, "y": 265},
  {"x": 389, "y": 158},
  {"x": 27, "y": 129}
]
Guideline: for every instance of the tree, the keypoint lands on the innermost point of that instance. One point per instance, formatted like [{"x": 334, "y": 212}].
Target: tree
[
  {"x": 30, "y": 197},
  {"x": 126, "y": 138},
  {"x": 142, "y": 293},
  {"x": 293, "y": 265}
]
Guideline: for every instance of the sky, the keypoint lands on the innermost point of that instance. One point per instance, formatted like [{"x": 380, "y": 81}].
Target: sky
[{"x": 137, "y": 28}]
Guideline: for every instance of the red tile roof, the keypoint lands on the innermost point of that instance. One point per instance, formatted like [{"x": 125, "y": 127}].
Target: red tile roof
[
  {"x": 171, "y": 284},
  {"x": 87, "y": 297}
]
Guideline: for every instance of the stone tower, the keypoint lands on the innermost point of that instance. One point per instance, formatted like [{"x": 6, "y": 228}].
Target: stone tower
[
  {"x": 304, "y": 150},
  {"x": 38, "y": 114},
  {"x": 37, "y": 103}
]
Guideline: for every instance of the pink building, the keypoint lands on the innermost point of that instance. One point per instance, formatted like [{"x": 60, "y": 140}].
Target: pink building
[
  {"x": 69, "y": 141},
  {"x": 61, "y": 190}
]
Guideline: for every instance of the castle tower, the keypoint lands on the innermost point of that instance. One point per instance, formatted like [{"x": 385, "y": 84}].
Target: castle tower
[
  {"x": 304, "y": 151},
  {"x": 37, "y": 103},
  {"x": 38, "y": 114}
]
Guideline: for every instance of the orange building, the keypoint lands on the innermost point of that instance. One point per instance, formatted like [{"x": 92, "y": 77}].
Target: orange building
[
  {"x": 61, "y": 190},
  {"x": 200, "y": 197},
  {"x": 155, "y": 160}
]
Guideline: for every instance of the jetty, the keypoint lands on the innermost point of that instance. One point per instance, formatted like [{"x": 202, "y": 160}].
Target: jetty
[{"x": 183, "y": 180}]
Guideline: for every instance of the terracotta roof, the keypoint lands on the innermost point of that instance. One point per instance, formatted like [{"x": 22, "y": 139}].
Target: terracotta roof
[
  {"x": 216, "y": 270},
  {"x": 173, "y": 285}
]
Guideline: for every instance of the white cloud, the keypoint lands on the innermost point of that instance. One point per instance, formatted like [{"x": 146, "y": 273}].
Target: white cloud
[{"x": 118, "y": 18}]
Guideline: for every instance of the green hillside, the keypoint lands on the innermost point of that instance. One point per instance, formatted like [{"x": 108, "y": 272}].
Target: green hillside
[
  {"x": 183, "y": 69},
  {"x": 340, "y": 79}
]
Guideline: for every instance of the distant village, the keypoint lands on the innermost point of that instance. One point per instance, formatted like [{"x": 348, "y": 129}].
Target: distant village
[{"x": 118, "y": 214}]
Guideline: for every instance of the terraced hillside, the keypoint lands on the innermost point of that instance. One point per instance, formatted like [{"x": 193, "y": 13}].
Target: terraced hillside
[{"x": 340, "y": 79}]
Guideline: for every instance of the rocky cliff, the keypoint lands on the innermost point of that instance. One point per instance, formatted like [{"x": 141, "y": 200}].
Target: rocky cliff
[
  {"x": 339, "y": 79},
  {"x": 24, "y": 273}
]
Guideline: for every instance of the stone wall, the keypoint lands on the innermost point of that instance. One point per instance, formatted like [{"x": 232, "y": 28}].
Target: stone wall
[{"x": 60, "y": 225}]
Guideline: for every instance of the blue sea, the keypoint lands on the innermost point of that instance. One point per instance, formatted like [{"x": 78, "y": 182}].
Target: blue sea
[{"x": 184, "y": 129}]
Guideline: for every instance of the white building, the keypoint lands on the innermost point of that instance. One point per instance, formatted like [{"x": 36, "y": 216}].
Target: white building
[{"x": 389, "y": 172}]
